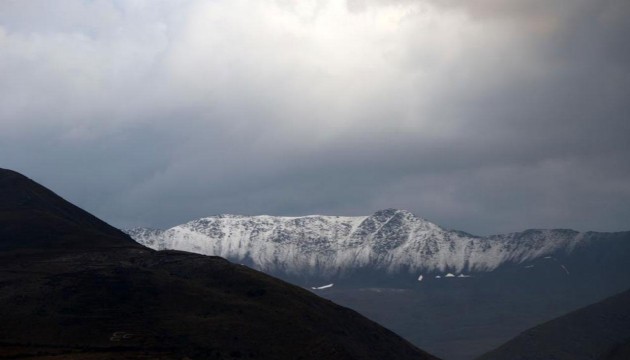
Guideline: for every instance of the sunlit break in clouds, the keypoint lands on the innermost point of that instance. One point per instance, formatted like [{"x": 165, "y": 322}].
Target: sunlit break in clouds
[{"x": 485, "y": 116}]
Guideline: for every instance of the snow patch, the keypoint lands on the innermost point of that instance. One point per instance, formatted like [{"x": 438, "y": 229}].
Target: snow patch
[
  {"x": 420, "y": 277},
  {"x": 322, "y": 287}
]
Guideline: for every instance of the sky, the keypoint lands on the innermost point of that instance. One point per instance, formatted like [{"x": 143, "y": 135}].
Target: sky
[{"x": 486, "y": 116}]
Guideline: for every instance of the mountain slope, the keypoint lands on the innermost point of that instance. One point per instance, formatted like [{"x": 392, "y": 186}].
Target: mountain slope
[
  {"x": 598, "y": 331},
  {"x": 75, "y": 288},
  {"x": 35, "y": 217}
]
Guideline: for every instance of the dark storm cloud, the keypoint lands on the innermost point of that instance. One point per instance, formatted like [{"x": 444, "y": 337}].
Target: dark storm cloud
[{"x": 485, "y": 116}]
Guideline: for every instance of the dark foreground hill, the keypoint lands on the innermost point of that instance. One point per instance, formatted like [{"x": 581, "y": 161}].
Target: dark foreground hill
[
  {"x": 72, "y": 287},
  {"x": 599, "y": 331}
]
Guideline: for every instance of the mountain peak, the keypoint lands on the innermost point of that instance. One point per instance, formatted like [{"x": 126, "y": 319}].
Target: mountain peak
[
  {"x": 386, "y": 212},
  {"x": 391, "y": 212},
  {"x": 33, "y": 217}
]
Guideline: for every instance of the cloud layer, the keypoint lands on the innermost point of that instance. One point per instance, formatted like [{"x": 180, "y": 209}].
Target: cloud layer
[{"x": 486, "y": 116}]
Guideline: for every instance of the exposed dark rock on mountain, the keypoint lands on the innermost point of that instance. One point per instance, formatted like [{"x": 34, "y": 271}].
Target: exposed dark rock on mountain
[
  {"x": 598, "y": 331},
  {"x": 76, "y": 288}
]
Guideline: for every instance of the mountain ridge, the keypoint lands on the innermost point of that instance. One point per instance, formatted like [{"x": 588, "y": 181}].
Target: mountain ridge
[{"x": 391, "y": 240}]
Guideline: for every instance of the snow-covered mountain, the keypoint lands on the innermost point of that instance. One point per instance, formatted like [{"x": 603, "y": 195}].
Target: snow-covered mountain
[{"x": 389, "y": 240}]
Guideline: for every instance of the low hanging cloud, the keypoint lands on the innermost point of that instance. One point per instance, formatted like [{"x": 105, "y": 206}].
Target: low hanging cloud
[{"x": 486, "y": 116}]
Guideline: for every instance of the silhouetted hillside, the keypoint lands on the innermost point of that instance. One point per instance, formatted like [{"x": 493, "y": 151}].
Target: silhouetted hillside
[
  {"x": 73, "y": 286},
  {"x": 598, "y": 331},
  {"x": 36, "y": 218}
]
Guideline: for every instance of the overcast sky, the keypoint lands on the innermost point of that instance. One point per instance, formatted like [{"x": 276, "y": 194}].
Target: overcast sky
[{"x": 481, "y": 115}]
